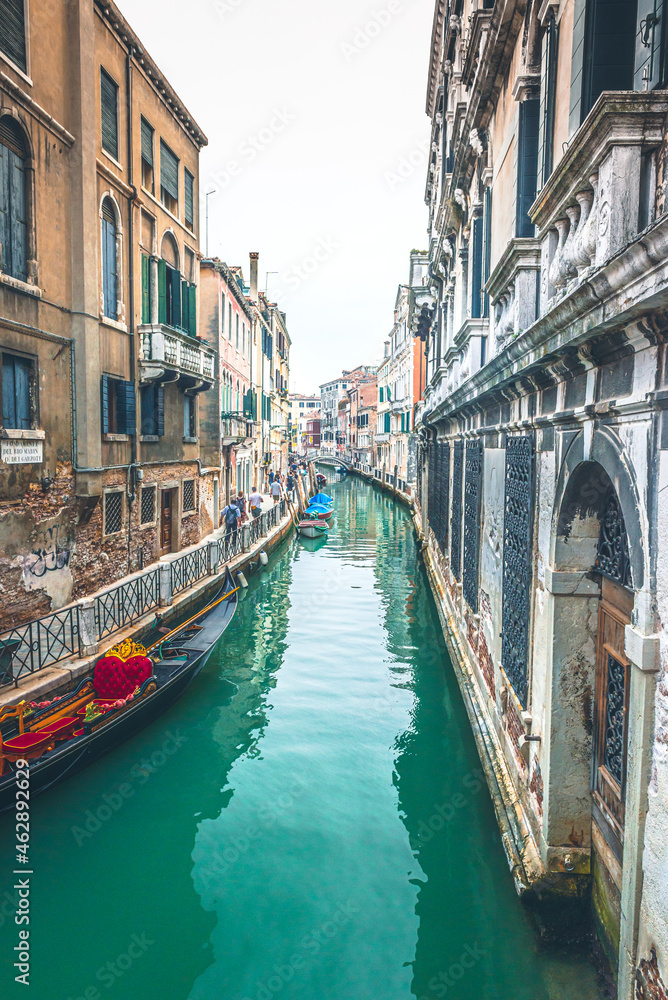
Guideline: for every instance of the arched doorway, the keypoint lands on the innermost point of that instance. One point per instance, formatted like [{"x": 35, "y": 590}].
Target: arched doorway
[{"x": 593, "y": 583}]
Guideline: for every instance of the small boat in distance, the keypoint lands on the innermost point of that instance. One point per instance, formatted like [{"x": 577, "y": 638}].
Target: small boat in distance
[
  {"x": 322, "y": 498},
  {"x": 322, "y": 511},
  {"x": 130, "y": 686},
  {"x": 312, "y": 528}
]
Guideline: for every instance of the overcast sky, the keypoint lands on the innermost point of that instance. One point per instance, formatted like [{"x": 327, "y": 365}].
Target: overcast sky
[{"x": 314, "y": 111}]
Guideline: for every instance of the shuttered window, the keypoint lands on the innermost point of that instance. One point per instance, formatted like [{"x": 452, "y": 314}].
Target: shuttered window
[
  {"x": 13, "y": 219},
  {"x": 189, "y": 196},
  {"x": 146, "y": 142},
  {"x": 527, "y": 165},
  {"x": 169, "y": 176},
  {"x": 548, "y": 98},
  {"x": 118, "y": 406},
  {"x": 16, "y": 409},
  {"x": 153, "y": 411},
  {"x": 109, "y": 262},
  {"x": 13, "y": 32},
  {"x": 145, "y": 289},
  {"x": 477, "y": 230},
  {"x": 109, "y": 114}
]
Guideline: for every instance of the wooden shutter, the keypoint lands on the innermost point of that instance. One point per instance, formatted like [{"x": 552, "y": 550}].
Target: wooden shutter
[
  {"x": 609, "y": 51},
  {"x": 109, "y": 113},
  {"x": 185, "y": 304},
  {"x": 162, "y": 291},
  {"x": 548, "y": 98},
  {"x": 169, "y": 171},
  {"x": 17, "y": 221},
  {"x": 146, "y": 142},
  {"x": 192, "y": 310},
  {"x": 128, "y": 408},
  {"x": 16, "y": 409},
  {"x": 13, "y": 32},
  {"x": 104, "y": 393},
  {"x": 175, "y": 278},
  {"x": 527, "y": 165},
  {"x": 145, "y": 289},
  {"x": 488, "y": 247},
  {"x": 189, "y": 192},
  {"x": 160, "y": 409},
  {"x": 4, "y": 203},
  {"x": 650, "y": 53}
]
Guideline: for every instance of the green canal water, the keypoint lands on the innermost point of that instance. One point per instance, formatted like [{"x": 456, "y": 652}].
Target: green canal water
[{"x": 308, "y": 823}]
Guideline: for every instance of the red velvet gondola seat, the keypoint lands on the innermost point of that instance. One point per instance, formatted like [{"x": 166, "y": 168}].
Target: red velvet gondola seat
[
  {"x": 62, "y": 729},
  {"x": 27, "y": 746},
  {"x": 124, "y": 668}
]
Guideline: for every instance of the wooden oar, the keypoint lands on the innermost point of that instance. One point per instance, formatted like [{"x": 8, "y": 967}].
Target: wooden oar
[{"x": 194, "y": 618}]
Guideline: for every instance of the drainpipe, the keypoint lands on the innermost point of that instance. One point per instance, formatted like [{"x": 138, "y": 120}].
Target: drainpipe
[{"x": 131, "y": 478}]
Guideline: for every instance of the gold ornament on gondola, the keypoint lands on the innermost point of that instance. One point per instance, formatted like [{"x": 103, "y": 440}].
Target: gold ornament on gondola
[{"x": 125, "y": 649}]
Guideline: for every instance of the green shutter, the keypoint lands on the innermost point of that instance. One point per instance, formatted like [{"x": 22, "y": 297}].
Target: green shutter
[
  {"x": 176, "y": 298},
  {"x": 192, "y": 311},
  {"x": 185, "y": 304},
  {"x": 169, "y": 171},
  {"x": 126, "y": 407},
  {"x": 162, "y": 291},
  {"x": 13, "y": 32},
  {"x": 104, "y": 395},
  {"x": 145, "y": 289},
  {"x": 146, "y": 142},
  {"x": 189, "y": 198},
  {"x": 527, "y": 166},
  {"x": 109, "y": 113}
]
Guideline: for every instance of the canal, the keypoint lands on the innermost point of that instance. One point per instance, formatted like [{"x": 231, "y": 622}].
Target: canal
[{"x": 309, "y": 822}]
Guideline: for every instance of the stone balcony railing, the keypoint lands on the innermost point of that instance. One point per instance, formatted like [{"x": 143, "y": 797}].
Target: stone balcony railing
[
  {"x": 602, "y": 192},
  {"x": 236, "y": 428},
  {"x": 168, "y": 355}
]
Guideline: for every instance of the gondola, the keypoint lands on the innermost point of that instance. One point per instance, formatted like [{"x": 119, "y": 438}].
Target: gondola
[
  {"x": 311, "y": 528},
  {"x": 129, "y": 688}
]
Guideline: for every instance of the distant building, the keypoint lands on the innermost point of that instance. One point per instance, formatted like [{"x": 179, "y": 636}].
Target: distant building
[{"x": 302, "y": 409}]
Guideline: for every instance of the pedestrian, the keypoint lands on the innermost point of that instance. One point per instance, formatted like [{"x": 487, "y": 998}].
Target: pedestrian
[
  {"x": 255, "y": 501},
  {"x": 230, "y": 516},
  {"x": 276, "y": 490},
  {"x": 271, "y": 476},
  {"x": 290, "y": 486},
  {"x": 241, "y": 504}
]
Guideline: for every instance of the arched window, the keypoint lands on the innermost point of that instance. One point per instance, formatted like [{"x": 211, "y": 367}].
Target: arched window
[
  {"x": 237, "y": 407},
  {"x": 109, "y": 261},
  {"x": 13, "y": 217}
]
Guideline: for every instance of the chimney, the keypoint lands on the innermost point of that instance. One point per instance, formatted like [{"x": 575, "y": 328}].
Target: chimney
[
  {"x": 387, "y": 349},
  {"x": 253, "y": 275}
]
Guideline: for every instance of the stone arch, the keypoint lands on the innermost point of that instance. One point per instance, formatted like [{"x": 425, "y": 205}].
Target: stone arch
[
  {"x": 18, "y": 138},
  {"x": 588, "y": 469},
  {"x": 169, "y": 249},
  {"x": 108, "y": 202}
]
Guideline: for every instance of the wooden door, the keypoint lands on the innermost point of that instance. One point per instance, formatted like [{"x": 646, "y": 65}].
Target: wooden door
[
  {"x": 166, "y": 522},
  {"x": 611, "y": 714}
]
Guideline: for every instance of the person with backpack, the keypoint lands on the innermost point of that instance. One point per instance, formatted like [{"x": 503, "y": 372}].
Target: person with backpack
[{"x": 231, "y": 515}]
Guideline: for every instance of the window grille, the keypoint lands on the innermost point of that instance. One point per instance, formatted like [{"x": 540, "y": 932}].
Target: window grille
[
  {"x": 517, "y": 562},
  {"x": 472, "y": 523},
  {"x": 148, "y": 505},
  {"x": 113, "y": 513},
  {"x": 188, "y": 494}
]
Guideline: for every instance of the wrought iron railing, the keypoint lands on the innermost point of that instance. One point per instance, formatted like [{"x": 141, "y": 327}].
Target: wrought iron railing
[
  {"x": 189, "y": 568},
  {"x": 230, "y": 546},
  {"x": 29, "y": 648},
  {"x": 125, "y": 603}
]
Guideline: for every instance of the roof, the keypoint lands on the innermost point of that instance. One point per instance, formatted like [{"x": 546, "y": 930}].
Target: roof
[{"x": 128, "y": 37}]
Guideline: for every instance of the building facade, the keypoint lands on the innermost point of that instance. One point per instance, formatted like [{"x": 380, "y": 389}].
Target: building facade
[
  {"x": 542, "y": 452},
  {"x": 102, "y": 364},
  {"x": 302, "y": 410}
]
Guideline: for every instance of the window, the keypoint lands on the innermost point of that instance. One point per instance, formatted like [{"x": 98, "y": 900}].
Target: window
[
  {"x": 169, "y": 179},
  {"x": 147, "y": 515},
  {"x": 153, "y": 410},
  {"x": 243, "y": 339},
  {"x": 189, "y": 198},
  {"x": 145, "y": 288},
  {"x": 527, "y": 166},
  {"x": 118, "y": 406},
  {"x": 177, "y": 299},
  {"x": 380, "y": 395},
  {"x": 237, "y": 332},
  {"x": 548, "y": 98},
  {"x": 147, "y": 178},
  {"x": 109, "y": 262},
  {"x": 189, "y": 417},
  {"x": 109, "y": 113},
  {"x": 188, "y": 495},
  {"x": 13, "y": 32},
  {"x": 13, "y": 219},
  {"x": 17, "y": 375},
  {"x": 113, "y": 513},
  {"x": 229, "y": 321}
]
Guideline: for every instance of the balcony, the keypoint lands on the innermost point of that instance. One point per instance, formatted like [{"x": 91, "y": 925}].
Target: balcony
[
  {"x": 168, "y": 355},
  {"x": 601, "y": 194},
  {"x": 382, "y": 438},
  {"x": 235, "y": 428},
  {"x": 513, "y": 290}
]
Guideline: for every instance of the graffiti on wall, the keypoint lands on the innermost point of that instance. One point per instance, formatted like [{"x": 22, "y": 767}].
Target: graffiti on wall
[{"x": 47, "y": 567}]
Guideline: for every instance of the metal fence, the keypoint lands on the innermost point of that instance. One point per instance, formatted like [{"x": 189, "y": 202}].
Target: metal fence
[
  {"x": 32, "y": 647},
  {"x": 189, "y": 568},
  {"x": 29, "y": 648},
  {"x": 128, "y": 601}
]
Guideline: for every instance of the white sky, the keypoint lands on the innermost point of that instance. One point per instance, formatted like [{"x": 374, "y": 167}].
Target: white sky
[{"x": 319, "y": 104}]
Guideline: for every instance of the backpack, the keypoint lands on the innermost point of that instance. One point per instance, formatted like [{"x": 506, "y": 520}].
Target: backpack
[{"x": 230, "y": 516}]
